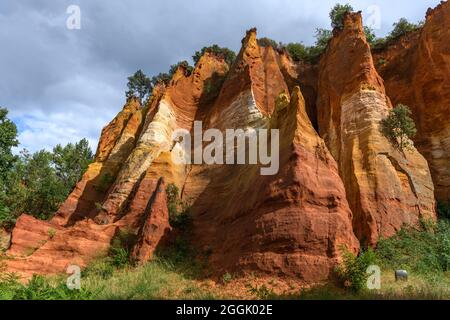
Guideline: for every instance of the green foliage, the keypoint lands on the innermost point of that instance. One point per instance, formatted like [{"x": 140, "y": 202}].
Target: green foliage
[
  {"x": 36, "y": 183},
  {"x": 311, "y": 54},
  {"x": 36, "y": 189},
  {"x": 227, "y": 277},
  {"x": 162, "y": 78},
  {"x": 300, "y": 52},
  {"x": 71, "y": 161},
  {"x": 425, "y": 251},
  {"x": 261, "y": 292},
  {"x": 165, "y": 78},
  {"x": 51, "y": 233},
  {"x": 337, "y": 15},
  {"x": 102, "y": 268},
  {"x": 443, "y": 209},
  {"x": 402, "y": 27},
  {"x": 105, "y": 182},
  {"x": 399, "y": 128},
  {"x": 267, "y": 42},
  {"x": 323, "y": 36},
  {"x": 139, "y": 86},
  {"x": 8, "y": 140},
  {"x": 38, "y": 288},
  {"x": 7, "y": 220},
  {"x": 224, "y": 53},
  {"x": 184, "y": 64},
  {"x": 353, "y": 269},
  {"x": 121, "y": 247},
  {"x": 179, "y": 211},
  {"x": 370, "y": 35}
]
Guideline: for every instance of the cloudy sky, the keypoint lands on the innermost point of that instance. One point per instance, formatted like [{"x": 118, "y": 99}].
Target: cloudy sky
[{"x": 62, "y": 85}]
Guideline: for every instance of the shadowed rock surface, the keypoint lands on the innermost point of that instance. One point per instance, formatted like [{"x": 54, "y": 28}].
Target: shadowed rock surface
[{"x": 416, "y": 71}]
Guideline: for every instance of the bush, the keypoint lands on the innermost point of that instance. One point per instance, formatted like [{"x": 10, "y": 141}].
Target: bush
[
  {"x": 337, "y": 15},
  {"x": 323, "y": 36},
  {"x": 38, "y": 288},
  {"x": 443, "y": 209},
  {"x": 179, "y": 211},
  {"x": 224, "y": 53},
  {"x": 121, "y": 246},
  {"x": 399, "y": 128},
  {"x": 353, "y": 269},
  {"x": 165, "y": 78},
  {"x": 162, "y": 78},
  {"x": 184, "y": 64},
  {"x": 7, "y": 220},
  {"x": 267, "y": 42},
  {"x": 425, "y": 251},
  {"x": 402, "y": 27},
  {"x": 370, "y": 35}
]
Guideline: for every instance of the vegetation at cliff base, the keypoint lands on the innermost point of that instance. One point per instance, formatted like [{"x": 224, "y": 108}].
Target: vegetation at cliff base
[{"x": 424, "y": 253}]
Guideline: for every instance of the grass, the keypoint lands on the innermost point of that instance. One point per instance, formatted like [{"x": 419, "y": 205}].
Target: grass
[
  {"x": 156, "y": 280},
  {"x": 179, "y": 273}
]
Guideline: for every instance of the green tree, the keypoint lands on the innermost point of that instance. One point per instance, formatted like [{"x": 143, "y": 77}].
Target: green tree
[
  {"x": 297, "y": 51},
  {"x": 399, "y": 127},
  {"x": 8, "y": 140},
  {"x": 44, "y": 191},
  {"x": 267, "y": 42},
  {"x": 139, "y": 86},
  {"x": 337, "y": 15},
  {"x": 70, "y": 162},
  {"x": 402, "y": 27},
  {"x": 323, "y": 36},
  {"x": 162, "y": 78},
  {"x": 187, "y": 67},
  {"x": 228, "y": 55},
  {"x": 370, "y": 35}
]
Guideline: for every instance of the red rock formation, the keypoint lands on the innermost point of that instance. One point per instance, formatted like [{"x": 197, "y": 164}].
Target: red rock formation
[
  {"x": 116, "y": 143},
  {"x": 176, "y": 109},
  {"x": 416, "y": 70},
  {"x": 386, "y": 189},
  {"x": 291, "y": 224},
  {"x": 155, "y": 227},
  {"x": 40, "y": 247}
]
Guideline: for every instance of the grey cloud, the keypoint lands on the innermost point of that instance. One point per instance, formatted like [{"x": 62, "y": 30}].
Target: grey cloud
[{"x": 73, "y": 82}]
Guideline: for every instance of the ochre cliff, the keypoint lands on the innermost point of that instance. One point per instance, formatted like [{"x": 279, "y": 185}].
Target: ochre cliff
[
  {"x": 293, "y": 223},
  {"x": 416, "y": 71},
  {"x": 339, "y": 183},
  {"x": 386, "y": 188}
]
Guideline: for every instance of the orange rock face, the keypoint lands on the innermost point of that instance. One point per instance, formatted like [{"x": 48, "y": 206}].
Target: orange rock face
[
  {"x": 290, "y": 224},
  {"x": 155, "y": 227},
  {"x": 386, "y": 189},
  {"x": 416, "y": 70}
]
